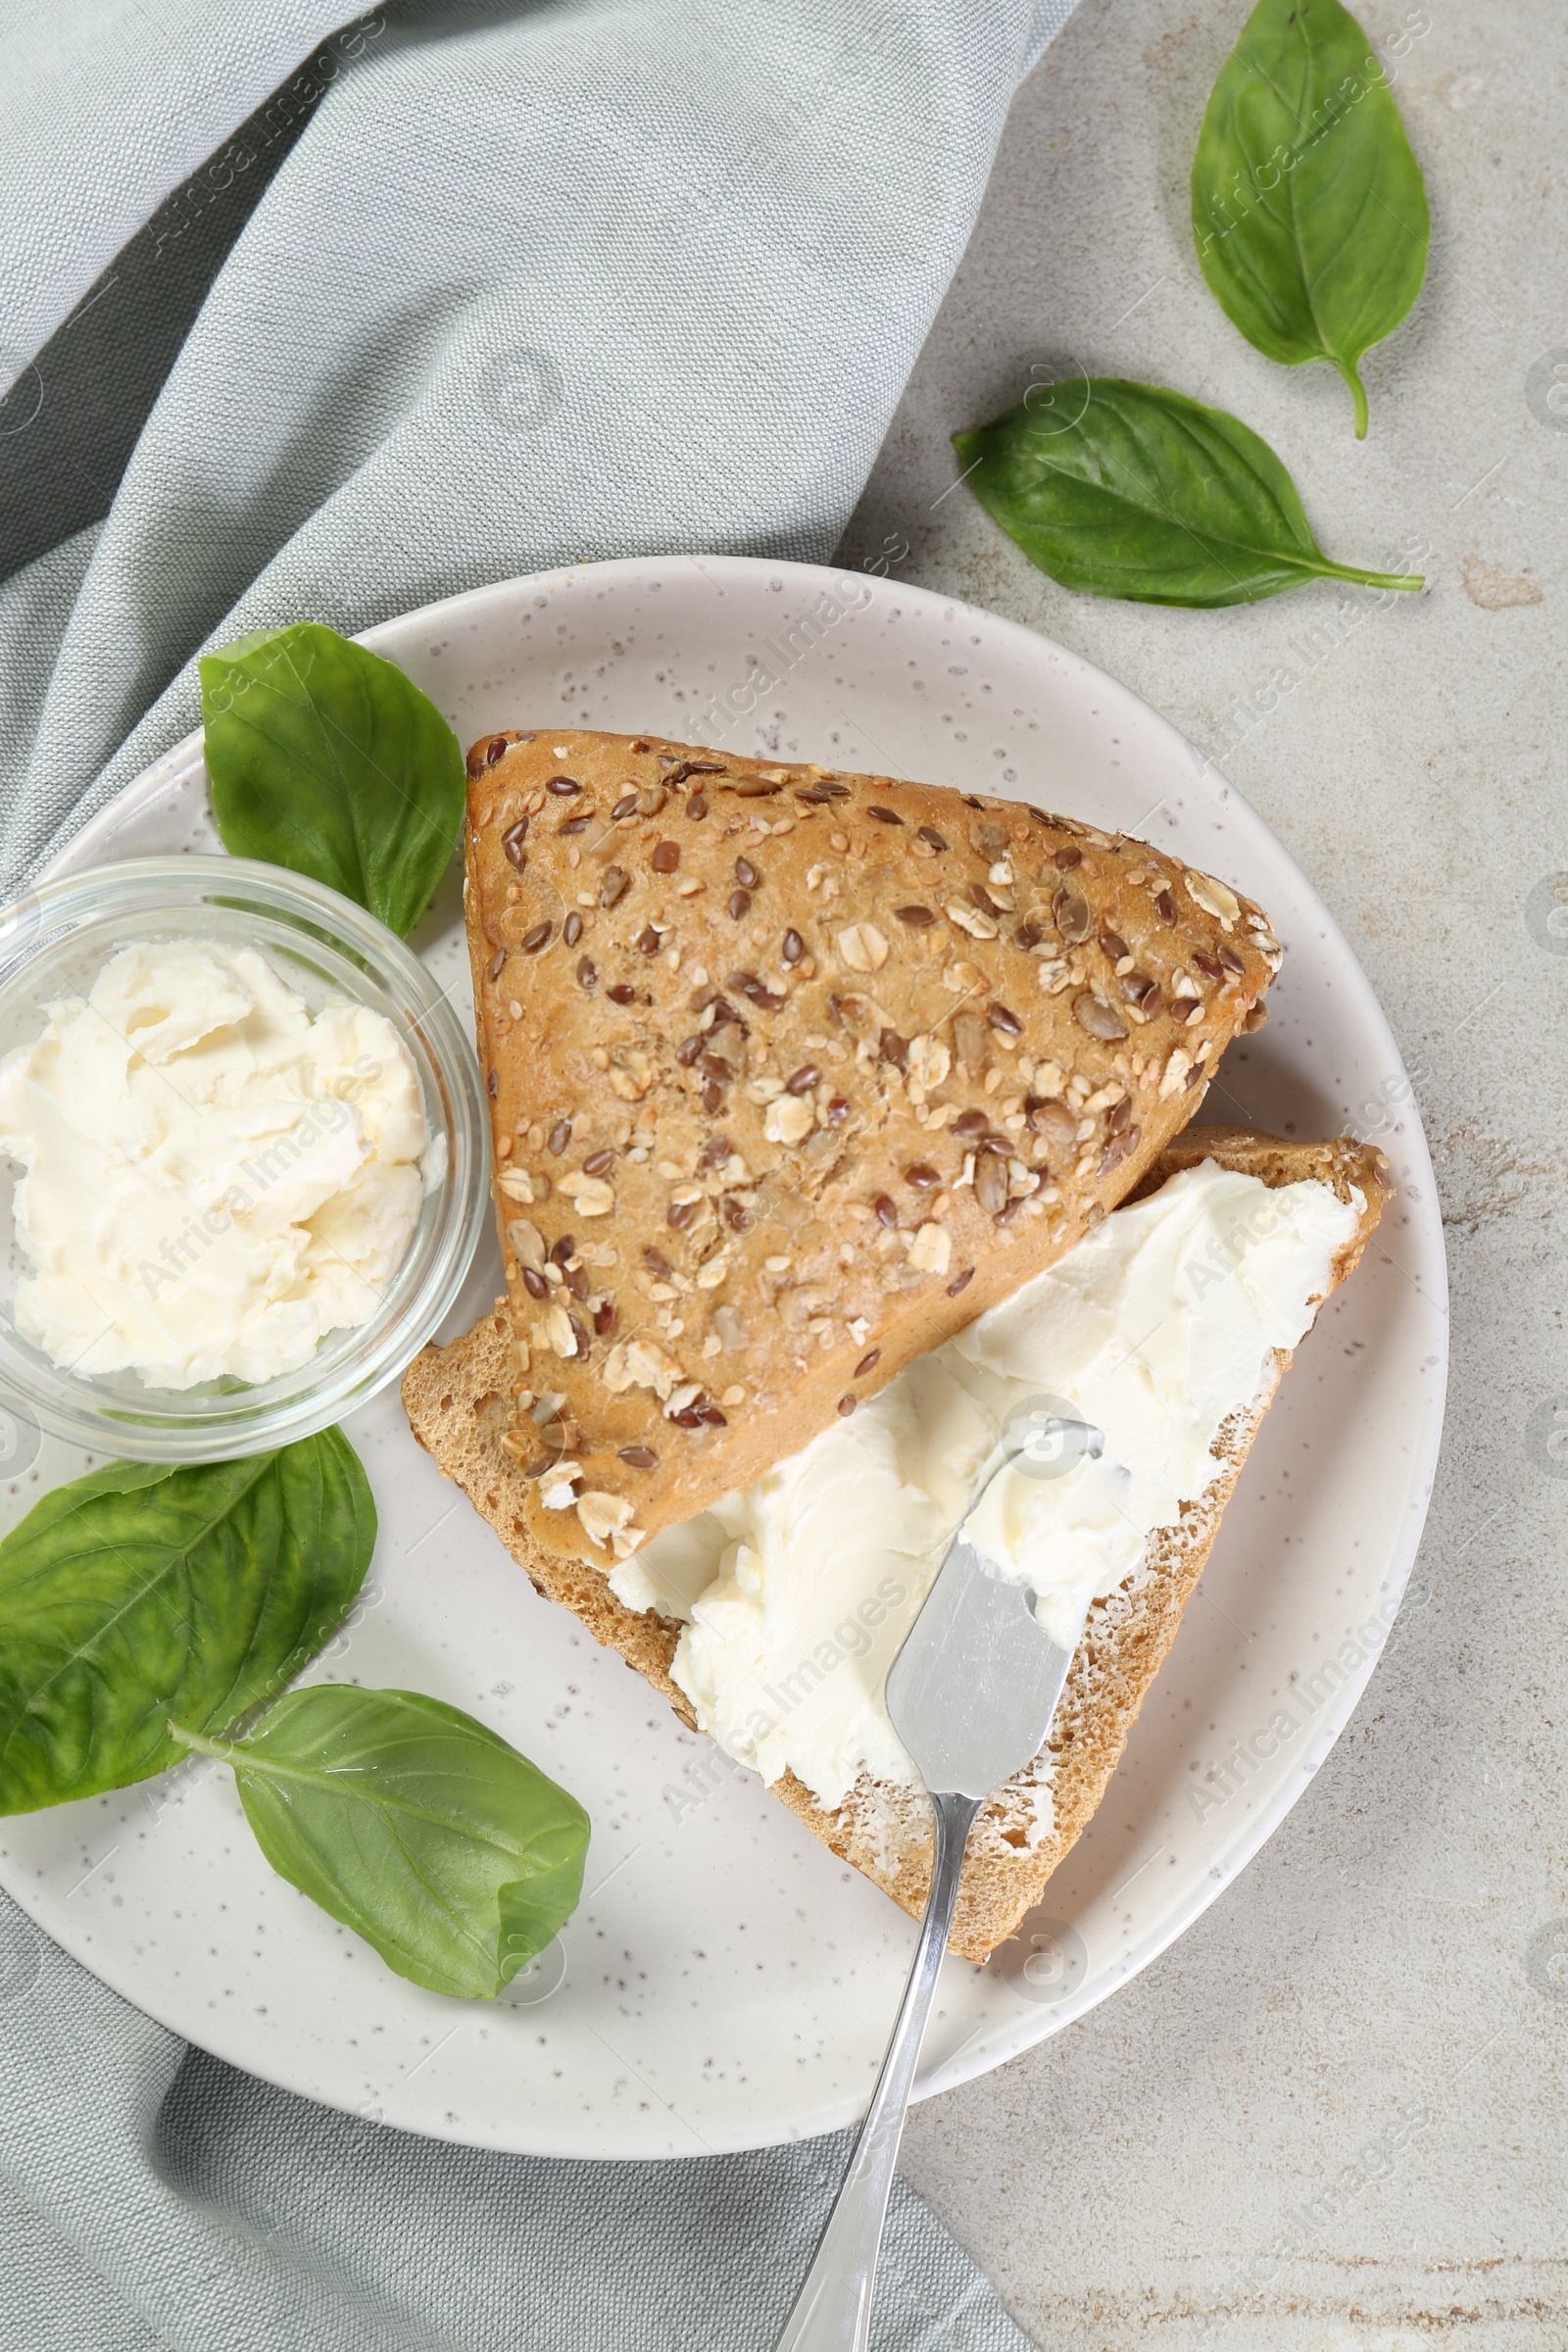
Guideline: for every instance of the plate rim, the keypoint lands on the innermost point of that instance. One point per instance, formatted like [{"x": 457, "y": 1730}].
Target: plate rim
[{"x": 999, "y": 2045}]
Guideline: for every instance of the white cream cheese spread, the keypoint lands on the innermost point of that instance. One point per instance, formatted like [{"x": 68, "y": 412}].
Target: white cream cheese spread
[
  {"x": 214, "y": 1176},
  {"x": 1096, "y": 1394}
]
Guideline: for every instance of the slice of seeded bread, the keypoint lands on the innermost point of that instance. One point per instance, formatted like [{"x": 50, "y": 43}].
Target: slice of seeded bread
[
  {"x": 791, "y": 1074},
  {"x": 458, "y": 1407}
]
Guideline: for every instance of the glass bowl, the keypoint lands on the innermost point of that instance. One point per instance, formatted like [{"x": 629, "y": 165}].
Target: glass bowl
[{"x": 53, "y": 943}]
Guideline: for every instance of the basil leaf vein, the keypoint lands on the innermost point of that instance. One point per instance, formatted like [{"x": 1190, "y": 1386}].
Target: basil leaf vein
[
  {"x": 1130, "y": 490},
  {"x": 416, "y": 1826},
  {"x": 1308, "y": 207},
  {"x": 327, "y": 758},
  {"x": 143, "y": 1590}
]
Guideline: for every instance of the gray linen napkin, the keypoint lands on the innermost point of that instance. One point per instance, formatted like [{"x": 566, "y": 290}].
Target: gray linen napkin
[
  {"x": 496, "y": 286},
  {"x": 153, "y": 2199}
]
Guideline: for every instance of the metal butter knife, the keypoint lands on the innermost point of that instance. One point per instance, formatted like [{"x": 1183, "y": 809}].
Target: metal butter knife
[{"x": 971, "y": 1695}]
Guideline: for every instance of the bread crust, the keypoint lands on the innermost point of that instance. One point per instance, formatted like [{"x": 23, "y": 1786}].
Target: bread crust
[
  {"x": 456, "y": 1407},
  {"x": 791, "y": 1074}
]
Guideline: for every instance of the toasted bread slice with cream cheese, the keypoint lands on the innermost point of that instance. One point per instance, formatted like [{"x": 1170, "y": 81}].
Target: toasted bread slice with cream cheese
[{"x": 460, "y": 1406}]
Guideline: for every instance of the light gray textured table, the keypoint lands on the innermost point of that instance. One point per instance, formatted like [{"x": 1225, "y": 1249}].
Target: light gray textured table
[{"x": 1333, "y": 2115}]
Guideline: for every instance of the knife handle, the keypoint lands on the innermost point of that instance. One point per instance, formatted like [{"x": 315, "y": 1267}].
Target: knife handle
[{"x": 833, "y": 2311}]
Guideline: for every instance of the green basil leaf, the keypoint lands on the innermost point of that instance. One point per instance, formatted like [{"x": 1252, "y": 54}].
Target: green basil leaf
[
  {"x": 327, "y": 758},
  {"x": 1308, "y": 207},
  {"x": 144, "y": 1591},
  {"x": 415, "y": 1826},
  {"x": 1121, "y": 489}
]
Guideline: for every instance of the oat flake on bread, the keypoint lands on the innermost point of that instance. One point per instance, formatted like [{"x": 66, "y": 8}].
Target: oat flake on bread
[{"x": 791, "y": 1074}]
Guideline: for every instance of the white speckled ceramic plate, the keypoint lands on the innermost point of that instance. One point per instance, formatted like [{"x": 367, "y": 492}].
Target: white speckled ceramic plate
[{"x": 726, "y": 1983}]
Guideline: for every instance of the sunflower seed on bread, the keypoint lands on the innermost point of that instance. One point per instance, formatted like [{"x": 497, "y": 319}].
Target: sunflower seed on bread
[{"x": 791, "y": 1074}]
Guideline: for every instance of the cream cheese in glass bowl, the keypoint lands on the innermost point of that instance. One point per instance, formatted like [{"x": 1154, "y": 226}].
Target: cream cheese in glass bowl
[{"x": 244, "y": 1157}]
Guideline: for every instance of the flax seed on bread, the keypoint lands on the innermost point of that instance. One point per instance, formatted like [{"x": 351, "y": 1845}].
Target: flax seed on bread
[
  {"x": 458, "y": 1408},
  {"x": 791, "y": 1074}
]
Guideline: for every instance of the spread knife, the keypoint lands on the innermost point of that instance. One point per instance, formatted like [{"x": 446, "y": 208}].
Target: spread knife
[{"x": 971, "y": 1695}]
